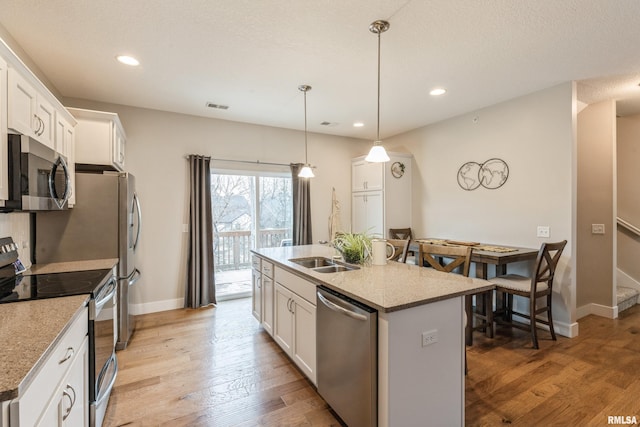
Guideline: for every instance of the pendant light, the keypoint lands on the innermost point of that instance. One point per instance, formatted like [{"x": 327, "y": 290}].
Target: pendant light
[
  {"x": 378, "y": 154},
  {"x": 306, "y": 171}
]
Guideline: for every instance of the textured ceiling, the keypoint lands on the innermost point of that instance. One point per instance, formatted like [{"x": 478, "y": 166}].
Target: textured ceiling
[{"x": 252, "y": 54}]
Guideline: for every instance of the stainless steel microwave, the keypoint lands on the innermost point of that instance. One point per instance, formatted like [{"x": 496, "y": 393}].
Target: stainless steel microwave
[{"x": 39, "y": 178}]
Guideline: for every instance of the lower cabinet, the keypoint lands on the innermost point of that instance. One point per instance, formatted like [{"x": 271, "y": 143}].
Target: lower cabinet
[
  {"x": 295, "y": 328},
  {"x": 58, "y": 395},
  {"x": 268, "y": 291},
  {"x": 256, "y": 294},
  {"x": 284, "y": 303},
  {"x": 69, "y": 406}
]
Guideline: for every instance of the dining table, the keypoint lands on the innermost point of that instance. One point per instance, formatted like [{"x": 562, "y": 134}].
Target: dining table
[{"x": 483, "y": 255}]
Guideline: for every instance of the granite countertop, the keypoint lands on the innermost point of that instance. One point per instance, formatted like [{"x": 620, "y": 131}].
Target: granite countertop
[
  {"x": 391, "y": 287},
  {"x": 29, "y": 331},
  {"x": 64, "y": 267}
]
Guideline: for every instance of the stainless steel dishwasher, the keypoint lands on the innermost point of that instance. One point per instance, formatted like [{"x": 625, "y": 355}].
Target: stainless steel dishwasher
[{"x": 347, "y": 357}]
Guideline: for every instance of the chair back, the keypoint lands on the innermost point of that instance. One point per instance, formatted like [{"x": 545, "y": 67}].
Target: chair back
[
  {"x": 400, "y": 233},
  {"x": 546, "y": 263},
  {"x": 400, "y": 248},
  {"x": 445, "y": 258}
]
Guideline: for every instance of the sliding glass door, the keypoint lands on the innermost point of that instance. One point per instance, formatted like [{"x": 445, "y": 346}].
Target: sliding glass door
[{"x": 250, "y": 210}]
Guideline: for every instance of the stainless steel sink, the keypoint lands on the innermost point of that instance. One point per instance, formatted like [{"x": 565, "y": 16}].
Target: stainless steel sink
[
  {"x": 335, "y": 268},
  {"x": 313, "y": 262},
  {"x": 324, "y": 265}
]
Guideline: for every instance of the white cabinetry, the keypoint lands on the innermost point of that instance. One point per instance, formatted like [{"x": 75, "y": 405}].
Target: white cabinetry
[
  {"x": 268, "y": 290},
  {"x": 380, "y": 200},
  {"x": 367, "y": 211},
  {"x": 256, "y": 288},
  {"x": 30, "y": 112},
  {"x": 64, "y": 145},
  {"x": 262, "y": 292},
  {"x": 59, "y": 392},
  {"x": 366, "y": 176},
  {"x": 99, "y": 139},
  {"x": 295, "y": 320}
]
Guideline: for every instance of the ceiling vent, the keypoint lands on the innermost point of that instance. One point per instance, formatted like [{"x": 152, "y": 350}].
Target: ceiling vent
[{"x": 217, "y": 106}]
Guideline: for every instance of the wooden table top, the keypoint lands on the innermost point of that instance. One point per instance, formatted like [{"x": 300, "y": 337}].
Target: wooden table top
[{"x": 488, "y": 253}]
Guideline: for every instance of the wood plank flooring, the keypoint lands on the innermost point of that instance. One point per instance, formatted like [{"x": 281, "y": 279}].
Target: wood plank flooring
[
  {"x": 210, "y": 367},
  {"x": 217, "y": 367}
]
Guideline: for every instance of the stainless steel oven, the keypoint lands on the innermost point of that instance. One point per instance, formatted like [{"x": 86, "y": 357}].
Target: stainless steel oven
[{"x": 103, "y": 365}]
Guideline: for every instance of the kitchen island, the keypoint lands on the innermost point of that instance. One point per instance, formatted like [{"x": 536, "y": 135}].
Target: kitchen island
[{"x": 420, "y": 382}]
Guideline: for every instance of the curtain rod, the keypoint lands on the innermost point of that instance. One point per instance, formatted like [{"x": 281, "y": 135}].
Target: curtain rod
[{"x": 253, "y": 162}]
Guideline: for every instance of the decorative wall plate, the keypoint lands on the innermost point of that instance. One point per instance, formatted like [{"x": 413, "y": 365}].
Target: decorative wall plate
[
  {"x": 397, "y": 169},
  {"x": 491, "y": 174}
]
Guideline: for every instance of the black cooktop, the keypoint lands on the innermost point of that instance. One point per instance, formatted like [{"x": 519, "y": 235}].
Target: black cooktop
[{"x": 39, "y": 286}]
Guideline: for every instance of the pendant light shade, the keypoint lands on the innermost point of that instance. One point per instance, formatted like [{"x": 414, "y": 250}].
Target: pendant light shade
[
  {"x": 378, "y": 154},
  {"x": 306, "y": 171}
]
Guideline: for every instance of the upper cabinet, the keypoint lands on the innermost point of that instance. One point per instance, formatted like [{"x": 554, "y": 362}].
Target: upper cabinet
[
  {"x": 99, "y": 139},
  {"x": 29, "y": 111},
  {"x": 366, "y": 176}
]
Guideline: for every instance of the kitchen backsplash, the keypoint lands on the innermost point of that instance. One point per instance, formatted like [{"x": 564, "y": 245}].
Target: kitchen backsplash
[{"x": 16, "y": 225}]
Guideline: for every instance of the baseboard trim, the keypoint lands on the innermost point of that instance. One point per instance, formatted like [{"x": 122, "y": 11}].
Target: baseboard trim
[
  {"x": 156, "y": 306},
  {"x": 569, "y": 330},
  {"x": 598, "y": 310}
]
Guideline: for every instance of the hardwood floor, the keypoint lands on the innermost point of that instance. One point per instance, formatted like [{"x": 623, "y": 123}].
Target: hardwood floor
[
  {"x": 210, "y": 367},
  {"x": 217, "y": 367},
  {"x": 569, "y": 382}
]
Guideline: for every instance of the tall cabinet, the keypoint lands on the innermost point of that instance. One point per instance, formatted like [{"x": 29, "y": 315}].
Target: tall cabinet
[{"x": 381, "y": 194}]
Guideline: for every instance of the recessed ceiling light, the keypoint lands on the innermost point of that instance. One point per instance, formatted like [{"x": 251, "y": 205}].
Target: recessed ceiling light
[
  {"x": 358, "y": 124},
  {"x": 128, "y": 60},
  {"x": 437, "y": 91}
]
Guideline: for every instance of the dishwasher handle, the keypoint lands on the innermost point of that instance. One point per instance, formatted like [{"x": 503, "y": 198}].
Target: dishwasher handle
[{"x": 335, "y": 307}]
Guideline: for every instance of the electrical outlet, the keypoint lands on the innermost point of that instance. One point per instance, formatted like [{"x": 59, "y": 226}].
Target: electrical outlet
[
  {"x": 543, "y": 231},
  {"x": 429, "y": 337},
  {"x": 597, "y": 228},
  {"x": 185, "y": 228}
]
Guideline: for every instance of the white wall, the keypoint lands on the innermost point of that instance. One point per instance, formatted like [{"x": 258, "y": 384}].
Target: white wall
[
  {"x": 157, "y": 143},
  {"x": 595, "y": 253},
  {"x": 628, "y": 200},
  {"x": 534, "y": 135}
]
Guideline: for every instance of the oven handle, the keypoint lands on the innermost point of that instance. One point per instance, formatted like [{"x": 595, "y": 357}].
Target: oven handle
[
  {"x": 110, "y": 290},
  {"x": 106, "y": 392}
]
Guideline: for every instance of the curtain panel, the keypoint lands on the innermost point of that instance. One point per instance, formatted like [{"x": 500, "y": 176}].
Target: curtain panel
[
  {"x": 301, "y": 207},
  {"x": 200, "y": 287}
]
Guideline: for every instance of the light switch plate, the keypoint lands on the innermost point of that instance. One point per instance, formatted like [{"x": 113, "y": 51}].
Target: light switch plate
[
  {"x": 597, "y": 228},
  {"x": 543, "y": 231}
]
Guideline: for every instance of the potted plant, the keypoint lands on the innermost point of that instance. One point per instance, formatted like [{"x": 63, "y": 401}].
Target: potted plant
[{"x": 355, "y": 248}]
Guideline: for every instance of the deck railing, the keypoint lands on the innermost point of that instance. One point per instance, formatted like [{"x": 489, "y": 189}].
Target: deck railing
[{"x": 232, "y": 248}]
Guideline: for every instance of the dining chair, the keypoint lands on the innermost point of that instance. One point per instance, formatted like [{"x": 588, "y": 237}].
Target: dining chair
[
  {"x": 445, "y": 258},
  {"x": 459, "y": 257},
  {"x": 404, "y": 234},
  {"x": 400, "y": 248},
  {"x": 450, "y": 259},
  {"x": 400, "y": 233},
  {"x": 539, "y": 285}
]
